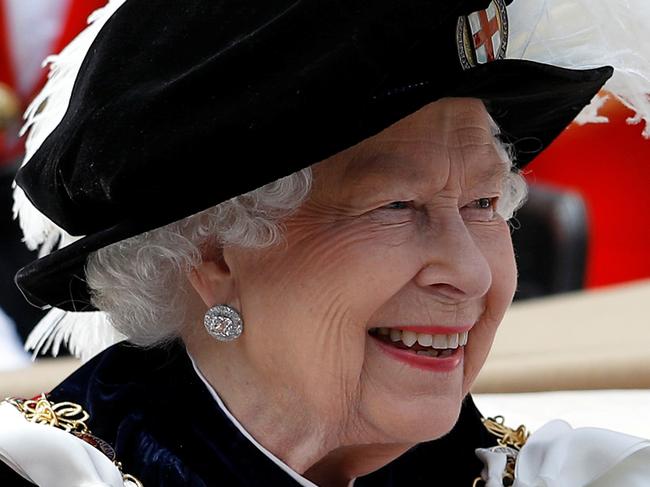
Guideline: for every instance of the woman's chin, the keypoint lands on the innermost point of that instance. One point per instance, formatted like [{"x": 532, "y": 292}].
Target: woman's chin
[
  {"x": 410, "y": 403},
  {"x": 416, "y": 425}
]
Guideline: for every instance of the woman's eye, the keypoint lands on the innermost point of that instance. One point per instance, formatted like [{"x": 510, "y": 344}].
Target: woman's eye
[
  {"x": 484, "y": 203},
  {"x": 398, "y": 205},
  {"x": 481, "y": 209}
]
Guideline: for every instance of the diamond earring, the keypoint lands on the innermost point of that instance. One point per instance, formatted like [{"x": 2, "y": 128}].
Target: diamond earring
[{"x": 223, "y": 323}]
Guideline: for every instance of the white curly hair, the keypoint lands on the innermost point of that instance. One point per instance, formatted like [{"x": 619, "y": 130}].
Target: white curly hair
[{"x": 140, "y": 282}]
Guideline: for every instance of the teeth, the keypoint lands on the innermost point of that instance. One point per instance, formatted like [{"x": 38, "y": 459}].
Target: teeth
[
  {"x": 440, "y": 341},
  {"x": 395, "y": 335},
  {"x": 437, "y": 342},
  {"x": 409, "y": 338},
  {"x": 425, "y": 340}
]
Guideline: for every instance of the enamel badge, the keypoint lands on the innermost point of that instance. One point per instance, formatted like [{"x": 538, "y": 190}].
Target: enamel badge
[{"x": 482, "y": 36}]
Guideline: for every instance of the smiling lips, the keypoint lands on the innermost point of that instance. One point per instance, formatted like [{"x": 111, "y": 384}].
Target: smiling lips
[
  {"x": 429, "y": 344},
  {"x": 432, "y": 351}
]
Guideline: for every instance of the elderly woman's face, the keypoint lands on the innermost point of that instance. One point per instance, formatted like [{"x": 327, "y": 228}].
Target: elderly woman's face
[{"x": 398, "y": 236}]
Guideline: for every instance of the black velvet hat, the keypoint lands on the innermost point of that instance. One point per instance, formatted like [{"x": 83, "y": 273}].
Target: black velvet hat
[{"x": 180, "y": 105}]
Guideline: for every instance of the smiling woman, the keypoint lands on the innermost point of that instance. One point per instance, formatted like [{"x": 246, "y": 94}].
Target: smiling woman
[
  {"x": 351, "y": 262},
  {"x": 322, "y": 329},
  {"x": 400, "y": 256}
]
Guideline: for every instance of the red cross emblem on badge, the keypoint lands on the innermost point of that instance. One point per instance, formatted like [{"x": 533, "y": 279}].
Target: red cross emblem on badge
[{"x": 482, "y": 36}]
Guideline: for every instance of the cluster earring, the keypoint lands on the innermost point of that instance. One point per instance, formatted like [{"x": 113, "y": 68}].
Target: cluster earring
[{"x": 223, "y": 323}]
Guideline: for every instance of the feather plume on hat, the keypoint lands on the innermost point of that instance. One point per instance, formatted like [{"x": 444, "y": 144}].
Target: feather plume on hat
[
  {"x": 85, "y": 334},
  {"x": 583, "y": 34},
  {"x": 567, "y": 33}
]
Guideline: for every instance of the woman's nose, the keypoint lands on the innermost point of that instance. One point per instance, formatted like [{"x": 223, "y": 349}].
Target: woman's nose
[{"x": 454, "y": 267}]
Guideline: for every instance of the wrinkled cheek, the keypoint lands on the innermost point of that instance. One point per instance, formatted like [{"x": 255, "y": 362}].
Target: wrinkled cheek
[
  {"x": 500, "y": 256},
  {"x": 480, "y": 345},
  {"x": 477, "y": 350},
  {"x": 332, "y": 358},
  {"x": 505, "y": 270}
]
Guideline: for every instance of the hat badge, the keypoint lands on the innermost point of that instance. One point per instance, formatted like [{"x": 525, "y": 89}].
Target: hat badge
[{"x": 482, "y": 37}]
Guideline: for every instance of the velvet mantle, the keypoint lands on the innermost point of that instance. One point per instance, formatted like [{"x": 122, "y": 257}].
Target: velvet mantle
[{"x": 168, "y": 431}]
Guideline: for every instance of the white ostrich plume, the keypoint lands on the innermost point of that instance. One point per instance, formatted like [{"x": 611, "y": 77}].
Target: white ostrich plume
[
  {"x": 583, "y": 34},
  {"x": 84, "y": 333}
]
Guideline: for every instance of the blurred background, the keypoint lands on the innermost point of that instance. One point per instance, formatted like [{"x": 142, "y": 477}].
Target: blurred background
[{"x": 576, "y": 342}]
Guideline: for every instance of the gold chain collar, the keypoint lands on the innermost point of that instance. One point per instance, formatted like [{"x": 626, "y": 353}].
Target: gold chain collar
[
  {"x": 72, "y": 418},
  {"x": 509, "y": 441},
  {"x": 69, "y": 417},
  {"x": 506, "y": 436}
]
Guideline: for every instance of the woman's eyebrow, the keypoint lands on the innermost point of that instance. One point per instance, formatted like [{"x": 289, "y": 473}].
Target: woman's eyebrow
[
  {"x": 384, "y": 164},
  {"x": 495, "y": 173},
  {"x": 404, "y": 166}
]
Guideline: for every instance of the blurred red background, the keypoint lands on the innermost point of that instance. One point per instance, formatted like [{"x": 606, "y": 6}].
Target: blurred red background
[
  {"x": 609, "y": 165},
  {"x": 17, "y": 63}
]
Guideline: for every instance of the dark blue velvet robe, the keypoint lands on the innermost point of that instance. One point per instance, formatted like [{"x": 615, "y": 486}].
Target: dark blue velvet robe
[{"x": 168, "y": 431}]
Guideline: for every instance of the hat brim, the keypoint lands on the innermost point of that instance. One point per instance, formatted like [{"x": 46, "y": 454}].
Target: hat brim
[{"x": 531, "y": 102}]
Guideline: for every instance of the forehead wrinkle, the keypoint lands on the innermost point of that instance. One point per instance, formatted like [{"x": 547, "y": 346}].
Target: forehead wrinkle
[
  {"x": 470, "y": 113},
  {"x": 467, "y": 135},
  {"x": 490, "y": 167},
  {"x": 495, "y": 173},
  {"x": 469, "y": 123},
  {"x": 478, "y": 144},
  {"x": 397, "y": 162},
  {"x": 390, "y": 156}
]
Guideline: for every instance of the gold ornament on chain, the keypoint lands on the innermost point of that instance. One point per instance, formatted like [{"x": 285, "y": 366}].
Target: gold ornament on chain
[
  {"x": 69, "y": 417},
  {"x": 510, "y": 442},
  {"x": 506, "y": 436}
]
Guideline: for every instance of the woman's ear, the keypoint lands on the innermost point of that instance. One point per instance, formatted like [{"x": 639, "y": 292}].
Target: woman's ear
[{"x": 212, "y": 279}]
